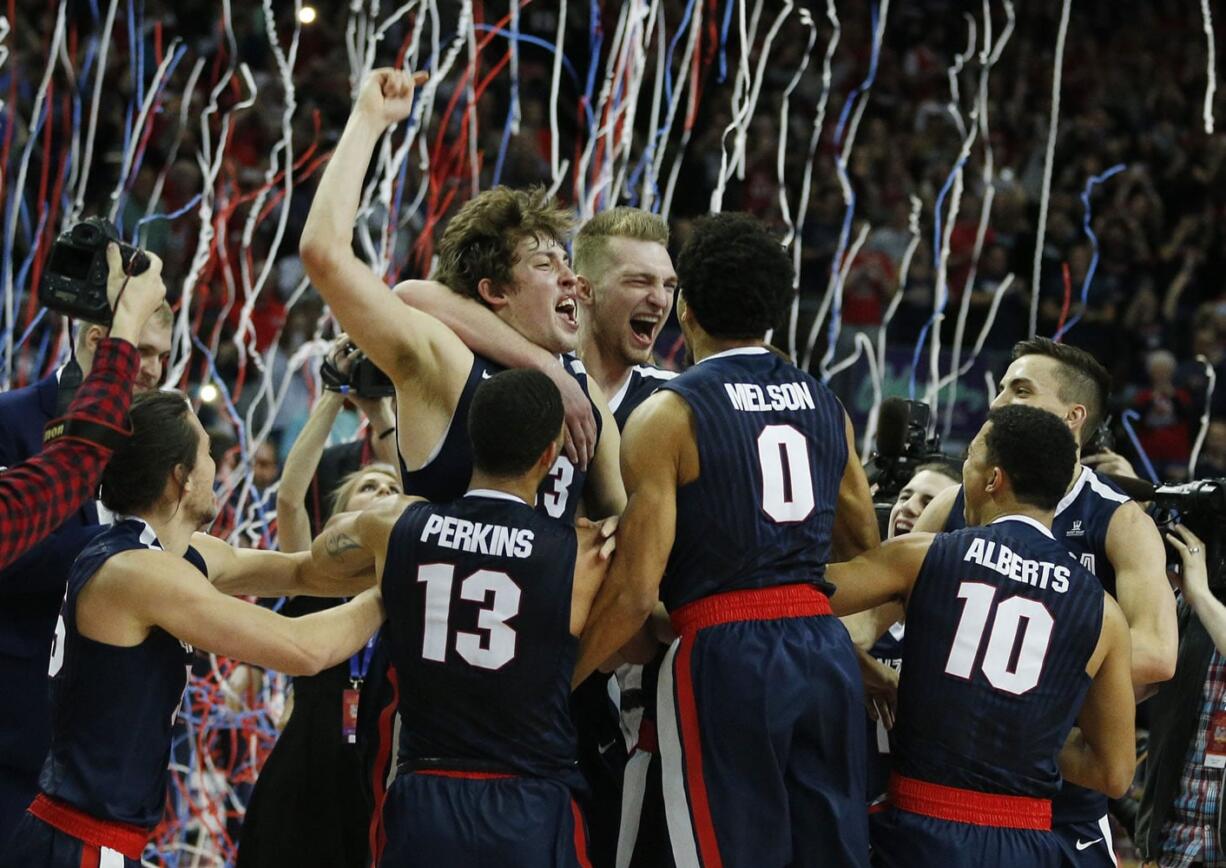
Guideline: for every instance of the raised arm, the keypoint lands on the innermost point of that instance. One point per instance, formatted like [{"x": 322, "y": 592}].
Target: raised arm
[
  {"x": 1100, "y": 752},
  {"x": 293, "y": 523},
  {"x": 138, "y": 590},
  {"x": 354, "y": 543},
  {"x": 855, "y": 521},
  {"x": 424, "y": 358},
  {"x": 487, "y": 335},
  {"x": 654, "y": 459},
  {"x": 1135, "y": 549}
]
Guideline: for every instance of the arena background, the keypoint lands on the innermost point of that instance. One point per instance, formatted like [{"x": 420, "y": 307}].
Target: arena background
[{"x": 949, "y": 177}]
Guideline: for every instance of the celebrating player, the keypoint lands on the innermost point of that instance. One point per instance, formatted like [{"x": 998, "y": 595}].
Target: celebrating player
[
  {"x": 486, "y": 598},
  {"x": 1007, "y": 635},
  {"x": 1111, "y": 536},
  {"x": 735, "y": 470},
  {"x": 140, "y": 596}
]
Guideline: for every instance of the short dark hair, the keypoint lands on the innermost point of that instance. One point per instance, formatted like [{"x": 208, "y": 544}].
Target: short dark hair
[
  {"x": 944, "y": 465},
  {"x": 479, "y": 241},
  {"x": 514, "y": 417},
  {"x": 735, "y": 275},
  {"x": 1035, "y": 449},
  {"x": 161, "y": 440},
  {"x": 1082, "y": 378}
]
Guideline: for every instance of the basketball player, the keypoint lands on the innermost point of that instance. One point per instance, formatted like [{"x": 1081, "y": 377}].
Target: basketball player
[
  {"x": 140, "y": 596},
  {"x": 486, "y": 598},
  {"x": 505, "y": 249},
  {"x": 625, "y": 287},
  {"x": 735, "y": 469},
  {"x": 1007, "y": 637},
  {"x": 1111, "y": 536}
]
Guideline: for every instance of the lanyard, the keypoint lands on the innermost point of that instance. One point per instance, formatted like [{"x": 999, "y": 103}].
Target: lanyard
[{"x": 357, "y": 671}]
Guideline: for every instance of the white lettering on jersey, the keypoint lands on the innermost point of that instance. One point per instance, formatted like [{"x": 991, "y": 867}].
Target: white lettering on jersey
[
  {"x": 752, "y": 398},
  {"x": 1004, "y": 560},
  {"x": 474, "y": 536}
]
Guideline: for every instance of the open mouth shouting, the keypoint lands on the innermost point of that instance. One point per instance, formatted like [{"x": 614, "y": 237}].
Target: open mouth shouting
[
  {"x": 566, "y": 310},
  {"x": 643, "y": 329}
]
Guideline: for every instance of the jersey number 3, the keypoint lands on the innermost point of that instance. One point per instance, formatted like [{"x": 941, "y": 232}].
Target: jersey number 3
[
  {"x": 1012, "y": 663},
  {"x": 496, "y": 647}
]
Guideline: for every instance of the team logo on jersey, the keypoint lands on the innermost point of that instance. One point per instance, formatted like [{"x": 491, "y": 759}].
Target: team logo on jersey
[{"x": 1076, "y": 529}]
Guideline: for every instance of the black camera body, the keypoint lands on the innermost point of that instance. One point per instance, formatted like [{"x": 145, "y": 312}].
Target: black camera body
[
  {"x": 75, "y": 277},
  {"x": 903, "y": 444},
  {"x": 364, "y": 380},
  {"x": 1201, "y": 506}
]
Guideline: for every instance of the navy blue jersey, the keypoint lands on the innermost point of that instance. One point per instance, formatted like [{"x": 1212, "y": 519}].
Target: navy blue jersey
[
  {"x": 478, "y": 596},
  {"x": 1081, "y": 521},
  {"x": 641, "y": 383},
  {"x": 112, "y": 707},
  {"x": 1080, "y": 524},
  {"x": 1000, "y": 625},
  {"x": 772, "y": 451},
  {"x": 446, "y": 475}
]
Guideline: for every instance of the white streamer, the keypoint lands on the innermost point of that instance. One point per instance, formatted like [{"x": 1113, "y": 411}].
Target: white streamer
[
  {"x": 1048, "y": 161},
  {"x": 1205, "y": 418},
  {"x": 1210, "y": 65}
]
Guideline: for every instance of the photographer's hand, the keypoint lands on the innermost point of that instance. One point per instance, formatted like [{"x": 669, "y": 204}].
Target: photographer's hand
[
  {"x": 1193, "y": 580},
  {"x": 1107, "y": 461},
  {"x": 134, "y": 298}
]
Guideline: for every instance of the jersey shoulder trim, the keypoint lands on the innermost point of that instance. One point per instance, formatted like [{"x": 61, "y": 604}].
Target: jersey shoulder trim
[{"x": 1103, "y": 489}]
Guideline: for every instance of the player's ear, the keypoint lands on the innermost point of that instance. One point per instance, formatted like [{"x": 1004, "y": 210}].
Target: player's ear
[
  {"x": 584, "y": 289},
  {"x": 494, "y": 296},
  {"x": 1075, "y": 418}
]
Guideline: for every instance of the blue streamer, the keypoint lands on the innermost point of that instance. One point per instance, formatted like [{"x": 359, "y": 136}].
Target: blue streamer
[
  {"x": 937, "y": 248},
  {"x": 173, "y": 215},
  {"x": 723, "y": 41},
  {"x": 836, "y": 306},
  {"x": 1085, "y": 224},
  {"x": 1126, "y": 419}
]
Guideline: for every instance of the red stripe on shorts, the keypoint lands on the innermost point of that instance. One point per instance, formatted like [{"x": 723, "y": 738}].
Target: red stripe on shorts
[
  {"x": 580, "y": 836},
  {"x": 387, "y": 721},
  {"x": 90, "y": 856},
  {"x": 691, "y": 752}
]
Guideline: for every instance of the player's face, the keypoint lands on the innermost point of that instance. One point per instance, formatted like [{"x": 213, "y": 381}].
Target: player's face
[
  {"x": 374, "y": 485},
  {"x": 200, "y": 503},
  {"x": 154, "y": 346},
  {"x": 975, "y": 474},
  {"x": 916, "y": 495},
  {"x": 542, "y": 305},
  {"x": 631, "y": 297},
  {"x": 1032, "y": 380}
]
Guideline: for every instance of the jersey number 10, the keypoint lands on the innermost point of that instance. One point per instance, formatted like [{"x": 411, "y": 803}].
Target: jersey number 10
[
  {"x": 1010, "y": 664},
  {"x": 493, "y": 650}
]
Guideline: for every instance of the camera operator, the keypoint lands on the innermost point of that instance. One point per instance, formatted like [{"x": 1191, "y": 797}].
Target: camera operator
[
  {"x": 1180, "y": 820},
  {"x": 45, "y": 506}
]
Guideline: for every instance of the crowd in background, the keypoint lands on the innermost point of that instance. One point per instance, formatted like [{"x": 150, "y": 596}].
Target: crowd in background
[{"x": 1156, "y": 301}]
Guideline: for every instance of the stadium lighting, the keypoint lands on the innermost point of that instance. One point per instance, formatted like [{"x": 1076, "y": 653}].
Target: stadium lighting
[
  {"x": 208, "y": 393},
  {"x": 307, "y": 15}
]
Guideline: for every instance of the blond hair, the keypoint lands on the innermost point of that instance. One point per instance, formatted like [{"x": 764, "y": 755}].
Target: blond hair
[
  {"x": 349, "y": 484},
  {"x": 592, "y": 241}
]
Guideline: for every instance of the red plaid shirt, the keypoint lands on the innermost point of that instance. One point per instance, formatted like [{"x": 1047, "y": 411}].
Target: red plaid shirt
[{"x": 39, "y": 493}]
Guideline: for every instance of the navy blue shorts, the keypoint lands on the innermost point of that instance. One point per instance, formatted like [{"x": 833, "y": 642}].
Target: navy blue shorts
[
  {"x": 1088, "y": 844},
  {"x": 902, "y": 839},
  {"x": 36, "y": 844},
  {"x": 433, "y": 820},
  {"x": 761, "y": 730}
]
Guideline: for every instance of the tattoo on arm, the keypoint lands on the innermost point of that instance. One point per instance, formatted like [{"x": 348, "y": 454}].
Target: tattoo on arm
[{"x": 337, "y": 544}]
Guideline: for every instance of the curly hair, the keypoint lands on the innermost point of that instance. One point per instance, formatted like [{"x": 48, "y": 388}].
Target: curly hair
[
  {"x": 480, "y": 240},
  {"x": 1035, "y": 449},
  {"x": 735, "y": 276}
]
